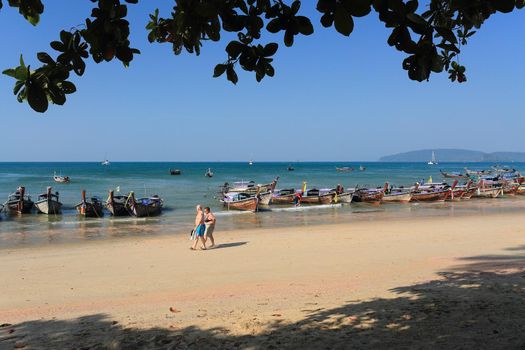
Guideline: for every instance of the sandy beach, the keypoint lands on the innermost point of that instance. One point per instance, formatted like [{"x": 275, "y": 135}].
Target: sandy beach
[{"x": 422, "y": 283}]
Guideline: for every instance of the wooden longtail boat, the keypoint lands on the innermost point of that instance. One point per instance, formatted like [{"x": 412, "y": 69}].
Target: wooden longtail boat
[
  {"x": 265, "y": 198},
  {"x": 431, "y": 196},
  {"x": 315, "y": 196},
  {"x": 511, "y": 188},
  {"x": 241, "y": 201},
  {"x": 437, "y": 194},
  {"x": 144, "y": 207},
  {"x": 453, "y": 175},
  {"x": 345, "y": 197},
  {"x": 249, "y": 187},
  {"x": 48, "y": 203},
  {"x": 90, "y": 209},
  {"x": 488, "y": 189},
  {"x": 18, "y": 202},
  {"x": 397, "y": 197},
  {"x": 116, "y": 205},
  {"x": 372, "y": 196},
  {"x": 285, "y": 196},
  {"x": 462, "y": 192}
]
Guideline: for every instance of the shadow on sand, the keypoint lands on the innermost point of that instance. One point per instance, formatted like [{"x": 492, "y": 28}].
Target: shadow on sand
[
  {"x": 229, "y": 245},
  {"x": 477, "y": 305}
]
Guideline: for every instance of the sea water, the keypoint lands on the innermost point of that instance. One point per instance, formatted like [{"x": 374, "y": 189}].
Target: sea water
[{"x": 181, "y": 193}]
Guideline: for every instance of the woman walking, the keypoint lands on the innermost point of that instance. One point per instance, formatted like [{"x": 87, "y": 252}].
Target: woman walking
[{"x": 209, "y": 221}]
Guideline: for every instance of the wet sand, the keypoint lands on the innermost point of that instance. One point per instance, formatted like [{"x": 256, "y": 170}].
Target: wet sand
[{"x": 455, "y": 282}]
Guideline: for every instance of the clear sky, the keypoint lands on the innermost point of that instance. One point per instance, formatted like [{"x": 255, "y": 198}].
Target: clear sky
[{"x": 333, "y": 98}]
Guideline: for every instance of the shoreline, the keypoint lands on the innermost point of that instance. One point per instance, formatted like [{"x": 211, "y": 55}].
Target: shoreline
[
  {"x": 269, "y": 285},
  {"x": 116, "y": 229}
]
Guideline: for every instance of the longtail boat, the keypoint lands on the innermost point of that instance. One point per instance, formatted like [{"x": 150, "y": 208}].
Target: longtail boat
[
  {"x": 117, "y": 204},
  {"x": 265, "y": 198},
  {"x": 249, "y": 187},
  {"x": 315, "y": 196},
  {"x": 396, "y": 195},
  {"x": 488, "y": 189},
  {"x": 285, "y": 196},
  {"x": 144, "y": 207},
  {"x": 478, "y": 172},
  {"x": 369, "y": 195},
  {"x": 344, "y": 197},
  {"x": 453, "y": 175},
  {"x": 18, "y": 202},
  {"x": 48, "y": 203},
  {"x": 521, "y": 190},
  {"x": 241, "y": 201},
  {"x": 92, "y": 208},
  {"x": 439, "y": 193},
  {"x": 511, "y": 188},
  {"x": 461, "y": 192}
]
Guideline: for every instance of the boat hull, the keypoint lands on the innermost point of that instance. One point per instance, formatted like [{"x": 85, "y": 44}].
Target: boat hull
[
  {"x": 345, "y": 197},
  {"x": 369, "y": 197},
  {"x": 90, "y": 210},
  {"x": 49, "y": 207},
  {"x": 117, "y": 209},
  {"x": 265, "y": 198},
  {"x": 17, "y": 207},
  {"x": 322, "y": 199},
  {"x": 438, "y": 196},
  {"x": 489, "y": 192},
  {"x": 248, "y": 204},
  {"x": 286, "y": 199},
  {"x": 397, "y": 198}
]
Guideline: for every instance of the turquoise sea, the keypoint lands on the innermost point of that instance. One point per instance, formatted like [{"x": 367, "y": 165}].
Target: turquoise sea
[{"x": 182, "y": 193}]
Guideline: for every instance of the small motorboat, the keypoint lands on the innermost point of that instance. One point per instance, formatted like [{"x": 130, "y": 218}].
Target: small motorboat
[
  {"x": 48, "y": 203},
  {"x": 61, "y": 179},
  {"x": 290, "y": 168},
  {"x": 18, "y": 202},
  {"x": 175, "y": 172},
  {"x": 344, "y": 169},
  {"x": 117, "y": 205},
  {"x": 91, "y": 209},
  {"x": 144, "y": 207},
  {"x": 105, "y": 162},
  {"x": 362, "y": 168},
  {"x": 209, "y": 173}
]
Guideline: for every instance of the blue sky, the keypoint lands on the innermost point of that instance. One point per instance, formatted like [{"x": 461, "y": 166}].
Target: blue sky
[{"x": 333, "y": 98}]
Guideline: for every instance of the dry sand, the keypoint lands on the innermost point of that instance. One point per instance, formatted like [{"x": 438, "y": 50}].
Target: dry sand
[{"x": 420, "y": 283}]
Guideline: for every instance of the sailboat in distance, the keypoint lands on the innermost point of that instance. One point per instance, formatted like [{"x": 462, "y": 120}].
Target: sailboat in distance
[{"x": 433, "y": 161}]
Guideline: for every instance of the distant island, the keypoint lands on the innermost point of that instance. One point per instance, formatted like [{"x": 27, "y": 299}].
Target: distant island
[{"x": 455, "y": 155}]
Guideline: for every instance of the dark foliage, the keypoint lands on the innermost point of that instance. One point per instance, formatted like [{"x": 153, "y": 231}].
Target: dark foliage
[{"x": 431, "y": 38}]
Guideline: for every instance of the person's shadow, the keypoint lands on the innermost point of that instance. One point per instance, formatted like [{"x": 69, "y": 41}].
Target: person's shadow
[{"x": 229, "y": 245}]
